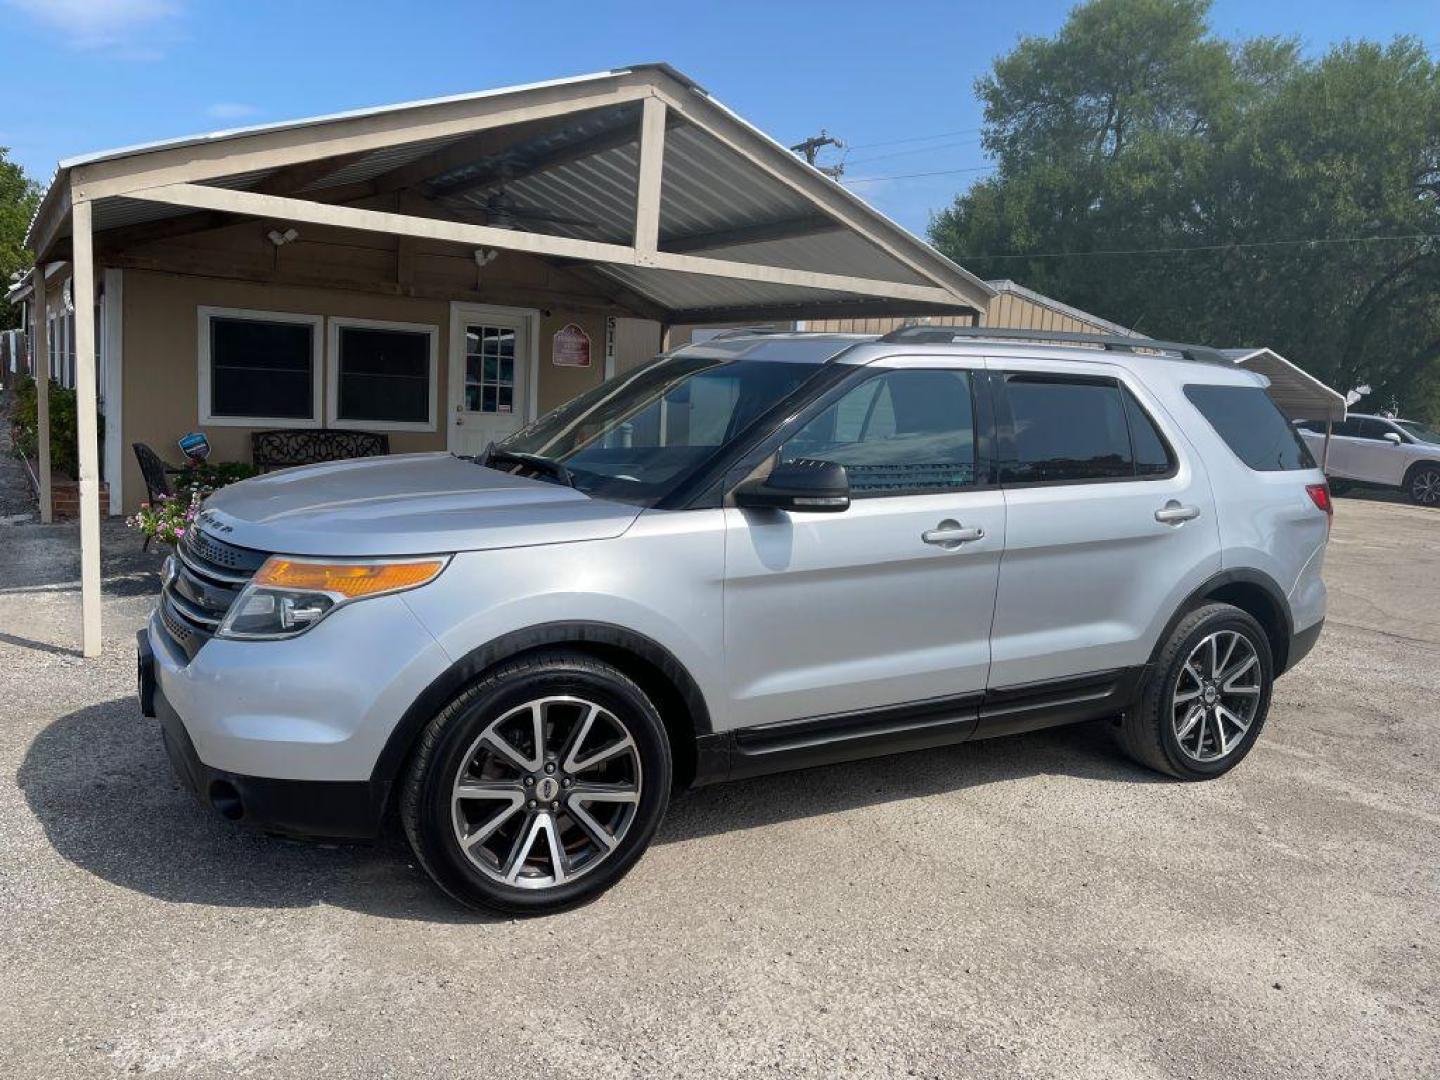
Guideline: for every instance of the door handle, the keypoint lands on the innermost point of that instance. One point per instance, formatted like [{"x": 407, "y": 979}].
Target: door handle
[
  {"x": 951, "y": 534},
  {"x": 1172, "y": 513}
]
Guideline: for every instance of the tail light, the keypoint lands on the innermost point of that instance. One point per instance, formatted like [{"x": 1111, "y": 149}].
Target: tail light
[{"x": 1320, "y": 496}]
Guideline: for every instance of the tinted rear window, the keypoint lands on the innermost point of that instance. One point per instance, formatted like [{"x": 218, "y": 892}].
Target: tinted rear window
[{"x": 1252, "y": 426}]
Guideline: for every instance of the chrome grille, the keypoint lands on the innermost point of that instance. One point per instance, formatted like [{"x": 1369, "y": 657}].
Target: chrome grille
[{"x": 209, "y": 576}]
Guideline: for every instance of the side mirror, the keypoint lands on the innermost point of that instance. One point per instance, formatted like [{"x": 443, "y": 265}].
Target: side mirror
[
  {"x": 1393, "y": 438},
  {"x": 812, "y": 486}
]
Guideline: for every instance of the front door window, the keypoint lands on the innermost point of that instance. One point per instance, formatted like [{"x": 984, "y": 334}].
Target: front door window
[
  {"x": 489, "y": 369},
  {"x": 490, "y": 376}
]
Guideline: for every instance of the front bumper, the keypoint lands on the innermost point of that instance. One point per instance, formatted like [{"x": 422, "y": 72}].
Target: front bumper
[{"x": 318, "y": 809}]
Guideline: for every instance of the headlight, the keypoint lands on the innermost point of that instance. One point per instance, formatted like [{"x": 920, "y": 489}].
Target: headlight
[{"x": 288, "y": 595}]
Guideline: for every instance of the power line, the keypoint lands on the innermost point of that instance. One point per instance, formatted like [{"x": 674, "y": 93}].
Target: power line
[
  {"x": 915, "y": 139},
  {"x": 1312, "y": 242},
  {"x": 913, "y": 150},
  {"x": 913, "y": 175}
]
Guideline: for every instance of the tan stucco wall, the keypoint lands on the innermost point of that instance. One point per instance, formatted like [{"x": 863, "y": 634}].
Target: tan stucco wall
[{"x": 161, "y": 374}]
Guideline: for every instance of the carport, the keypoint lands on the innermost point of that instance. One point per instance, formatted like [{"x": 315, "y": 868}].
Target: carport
[
  {"x": 626, "y": 193},
  {"x": 1299, "y": 394}
]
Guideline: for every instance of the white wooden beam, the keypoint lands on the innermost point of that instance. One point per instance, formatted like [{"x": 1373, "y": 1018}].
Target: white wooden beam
[
  {"x": 647, "y": 188},
  {"x": 202, "y": 197},
  {"x": 86, "y": 402},
  {"x": 40, "y": 370},
  {"x": 380, "y": 130}
]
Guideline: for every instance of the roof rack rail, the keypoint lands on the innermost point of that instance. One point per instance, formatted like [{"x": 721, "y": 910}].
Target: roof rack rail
[
  {"x": 746, "y": 331},
  {"x": 930, "y": 335}
]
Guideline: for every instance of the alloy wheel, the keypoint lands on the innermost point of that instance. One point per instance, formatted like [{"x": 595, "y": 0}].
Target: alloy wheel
[
  {"x": 1216, "y": 696},
  {"x": 547, "y": 792},
  {"x": 1425, "y": 487}
]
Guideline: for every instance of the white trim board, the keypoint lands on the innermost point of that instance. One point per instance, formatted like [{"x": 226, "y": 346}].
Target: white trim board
[
  {"x": 204, "y": 313},
  {"x": 112, "y": 307},
  {"x": 332, "y": 380}
]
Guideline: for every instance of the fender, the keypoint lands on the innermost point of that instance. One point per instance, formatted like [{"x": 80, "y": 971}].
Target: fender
[
  {"x": 474, "y": 663},
  {"x": 1238, "y": 576}
]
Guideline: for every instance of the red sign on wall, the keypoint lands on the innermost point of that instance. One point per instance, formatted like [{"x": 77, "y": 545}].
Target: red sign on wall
[{"x": 571, "y": 347}]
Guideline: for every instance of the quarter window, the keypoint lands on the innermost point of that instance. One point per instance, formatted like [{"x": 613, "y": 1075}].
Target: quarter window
[
  {"x": 903, "y": 433},
  {"x": 259, "y": 367},
  {"x": 1252, "y": 426}
]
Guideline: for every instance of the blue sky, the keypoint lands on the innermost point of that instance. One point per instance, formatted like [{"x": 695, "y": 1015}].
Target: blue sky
[{"x": 116, "y": 72}]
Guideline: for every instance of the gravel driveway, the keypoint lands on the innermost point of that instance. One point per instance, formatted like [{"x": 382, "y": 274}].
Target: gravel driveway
[{"x": 1026, "y": 907}]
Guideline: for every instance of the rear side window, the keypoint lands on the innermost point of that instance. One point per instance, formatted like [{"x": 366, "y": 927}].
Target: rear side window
[
  {"x": 1075, "y": 430},
  {"x": 1252, "y": 426}
]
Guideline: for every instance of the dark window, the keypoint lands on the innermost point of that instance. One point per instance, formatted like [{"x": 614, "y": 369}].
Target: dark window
[
  {"x": 1372, "y": 429},
  {"x": 903, "y": 433},
  {"x": 1348, "y": 428},
  {"x": 1252, "y": 426},
  {"x": 383, "y": 375},
  {"x": 1067, "y": 430},
  {"x": 261, "y": 369},
  {"x": 1315, "y": 427},
  {"x": 1152, "y": 454}
]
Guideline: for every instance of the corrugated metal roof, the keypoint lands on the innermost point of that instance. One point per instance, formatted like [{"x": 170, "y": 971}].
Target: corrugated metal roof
[
  {"x": 688, "y": 292},
  {"x": 707, "y": 186},
  {"x": 1299, "y": 394}
]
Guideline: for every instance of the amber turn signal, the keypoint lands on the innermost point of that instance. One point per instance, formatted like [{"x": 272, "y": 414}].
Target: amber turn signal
[{"x": 351, "y": 580}]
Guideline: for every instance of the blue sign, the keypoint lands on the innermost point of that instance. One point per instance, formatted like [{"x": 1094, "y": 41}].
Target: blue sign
[{"x": 195, "y": 446}]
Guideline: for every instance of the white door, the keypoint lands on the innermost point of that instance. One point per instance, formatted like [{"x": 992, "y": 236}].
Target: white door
[{"x": 492, "y": 373}]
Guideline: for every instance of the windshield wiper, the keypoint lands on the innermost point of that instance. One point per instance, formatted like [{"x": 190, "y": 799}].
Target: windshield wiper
[{"x": 494, "y": 454}]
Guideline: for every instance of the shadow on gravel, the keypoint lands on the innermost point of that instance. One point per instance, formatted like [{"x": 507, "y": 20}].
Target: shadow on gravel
[
  {"x": 100, "y": 785},
  {"x": 1083, "y": 752}
]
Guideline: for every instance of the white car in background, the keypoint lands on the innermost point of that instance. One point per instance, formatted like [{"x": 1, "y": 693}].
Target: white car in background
[{"x": 1380, "y": 451}]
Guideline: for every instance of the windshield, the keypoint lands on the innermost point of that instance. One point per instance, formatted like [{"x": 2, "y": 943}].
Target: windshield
[
  {"x": 635, "y": 438},
  {"x": 1418, "y": 431}
]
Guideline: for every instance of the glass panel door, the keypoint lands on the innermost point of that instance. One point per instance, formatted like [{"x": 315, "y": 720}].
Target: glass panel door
[{"x": 488, "y": 401}]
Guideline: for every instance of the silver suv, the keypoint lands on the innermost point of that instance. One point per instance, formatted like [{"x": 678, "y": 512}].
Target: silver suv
[{"x": 761, "y": 553}]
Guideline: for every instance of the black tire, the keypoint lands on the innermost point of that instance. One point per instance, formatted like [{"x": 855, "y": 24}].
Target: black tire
[
  {"x": 448, "y": 743},
  {"x": 1147, "y": 732},
  {"x": 1422, "y": 484}
]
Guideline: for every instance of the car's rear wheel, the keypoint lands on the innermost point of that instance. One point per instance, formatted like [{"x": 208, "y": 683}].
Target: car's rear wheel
[
  {"x": 1207, "y": 698},
  {"x": 538, "y": 787},
  {"x": 1423, "y": 485}
]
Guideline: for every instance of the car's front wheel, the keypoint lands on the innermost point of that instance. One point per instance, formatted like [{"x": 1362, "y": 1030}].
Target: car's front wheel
[
  {"x": 1423, "y": 485},
  {"x": 1207, "y": 697},
  {"x": 538, "y": 787}
]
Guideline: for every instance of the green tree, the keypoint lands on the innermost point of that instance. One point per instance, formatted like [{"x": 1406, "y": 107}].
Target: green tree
[
  {"x": 1235, "y": 178},
  {"x": 18, "y": 199}
]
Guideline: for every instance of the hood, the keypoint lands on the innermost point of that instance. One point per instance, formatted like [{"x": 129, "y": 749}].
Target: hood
[{"x": 409, "y": 504}]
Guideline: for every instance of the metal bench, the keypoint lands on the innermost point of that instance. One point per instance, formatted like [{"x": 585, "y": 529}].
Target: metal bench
[{"x": 287, "y": 447}]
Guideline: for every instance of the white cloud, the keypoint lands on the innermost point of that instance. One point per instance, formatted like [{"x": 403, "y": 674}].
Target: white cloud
[
  {"x": 103, "y": 24},
  {"x": 230, "y": 110}
]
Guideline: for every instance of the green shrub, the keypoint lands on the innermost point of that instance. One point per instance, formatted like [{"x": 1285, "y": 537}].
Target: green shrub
[{"x": 64, "y": 446}]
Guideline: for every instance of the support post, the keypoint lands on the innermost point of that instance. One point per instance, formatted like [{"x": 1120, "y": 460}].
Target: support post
[
  {"x": 1325, "y": 448},
  {"x": 86, "y": 401},
  {"x": 40, "y": 369},
  {"x": 647, "y": 190}
]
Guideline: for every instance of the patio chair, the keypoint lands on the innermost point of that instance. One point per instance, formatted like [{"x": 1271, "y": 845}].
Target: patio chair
[{"x": 157, "y": 474}]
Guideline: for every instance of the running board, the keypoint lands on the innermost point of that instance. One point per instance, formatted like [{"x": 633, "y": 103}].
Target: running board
[{"x": 916, "y": 725}]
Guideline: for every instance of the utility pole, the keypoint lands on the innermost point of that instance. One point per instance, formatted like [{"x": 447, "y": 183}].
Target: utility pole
[{"x": 810, "y": 148}]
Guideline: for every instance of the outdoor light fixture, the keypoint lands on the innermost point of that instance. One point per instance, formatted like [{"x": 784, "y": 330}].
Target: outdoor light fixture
[{"x": 280, "y": 239}]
